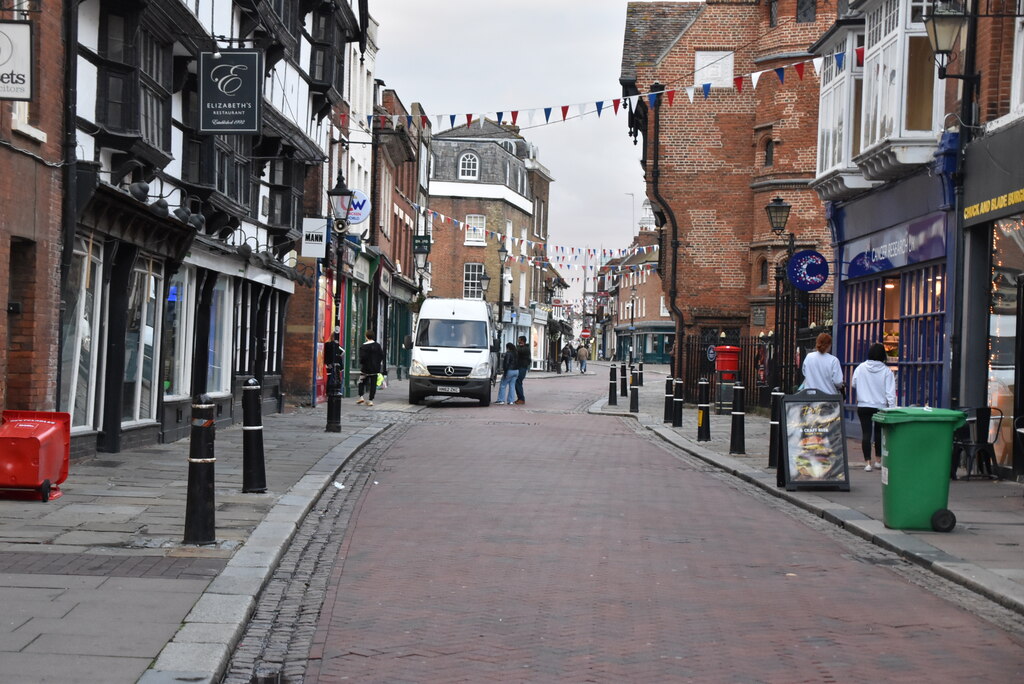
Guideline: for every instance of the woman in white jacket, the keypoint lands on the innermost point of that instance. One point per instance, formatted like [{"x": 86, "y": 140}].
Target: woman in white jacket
[{"x": 875, "y": 386}]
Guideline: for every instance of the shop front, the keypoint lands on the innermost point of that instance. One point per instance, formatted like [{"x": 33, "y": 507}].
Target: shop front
[
  {"x": 993, "y": 219},
  {"x": 894, "y": 288}
]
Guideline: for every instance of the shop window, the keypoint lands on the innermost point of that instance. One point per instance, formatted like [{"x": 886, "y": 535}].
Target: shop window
[
  {"x": 82, "y": 335},
  {"x": 139, "y": 384},
  {"x": 218, "y": 372},
  {"x": 1007, "y": 264},
  {"x": 178, "y": 333}
]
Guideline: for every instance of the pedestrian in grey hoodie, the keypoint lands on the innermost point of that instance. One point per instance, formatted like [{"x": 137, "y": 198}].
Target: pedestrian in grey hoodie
[{"x": 875, "y": 386}]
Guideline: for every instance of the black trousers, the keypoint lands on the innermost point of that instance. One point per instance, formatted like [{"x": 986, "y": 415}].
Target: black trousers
[
  {"x": 368, "y": 381},
  {"x": 868, "y": 428}
]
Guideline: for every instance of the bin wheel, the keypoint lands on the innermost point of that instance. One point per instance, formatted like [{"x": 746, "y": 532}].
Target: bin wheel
[
  {"x": 44, "y": 491},
  {"x": 943, "y": 520}
]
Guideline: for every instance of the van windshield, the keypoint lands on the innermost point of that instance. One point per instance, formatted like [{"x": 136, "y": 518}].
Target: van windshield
[{"x": 451, "y": 333}]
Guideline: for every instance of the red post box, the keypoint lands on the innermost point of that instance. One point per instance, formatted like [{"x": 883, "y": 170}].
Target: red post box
[
  {"x": 35, "y": 447},
  {"x": 727, "y": 362}
]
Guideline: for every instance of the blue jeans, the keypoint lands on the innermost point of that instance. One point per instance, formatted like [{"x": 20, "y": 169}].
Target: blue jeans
[
  {"x": 583, "y": 365},
  {"x": 519, "y": 384},
  {"x": 507, "y": 385}
]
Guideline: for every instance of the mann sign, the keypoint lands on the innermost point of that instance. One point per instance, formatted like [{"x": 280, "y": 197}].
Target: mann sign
[{"x": 230, "y": 91}]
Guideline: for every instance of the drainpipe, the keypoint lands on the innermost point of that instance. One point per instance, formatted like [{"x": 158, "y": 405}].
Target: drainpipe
[
  {"x": 69, "y": 202},
  {"x": 677, "y": 313}
]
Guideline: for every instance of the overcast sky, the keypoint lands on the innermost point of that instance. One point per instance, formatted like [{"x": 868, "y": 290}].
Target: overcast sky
[{"x": 475, "y": 56}]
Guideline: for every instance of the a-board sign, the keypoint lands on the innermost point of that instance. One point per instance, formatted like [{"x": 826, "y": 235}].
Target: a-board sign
[{"x": 814, "y": 441}]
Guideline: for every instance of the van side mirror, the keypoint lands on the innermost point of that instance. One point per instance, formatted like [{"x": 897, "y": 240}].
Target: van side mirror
[{"x": 407, "y": 342}]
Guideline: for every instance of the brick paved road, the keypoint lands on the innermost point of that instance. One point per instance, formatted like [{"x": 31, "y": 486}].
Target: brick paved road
[{"x": 537, "y": 543}]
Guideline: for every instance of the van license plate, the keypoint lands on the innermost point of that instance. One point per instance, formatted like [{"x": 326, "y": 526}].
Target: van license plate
[{"x": 449, "y": 390}]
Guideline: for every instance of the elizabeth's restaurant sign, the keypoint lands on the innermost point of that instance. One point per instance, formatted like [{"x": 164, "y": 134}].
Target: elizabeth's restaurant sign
[
  {"x": 16, "y": 75},
  {"x": 230, "y": 91}
]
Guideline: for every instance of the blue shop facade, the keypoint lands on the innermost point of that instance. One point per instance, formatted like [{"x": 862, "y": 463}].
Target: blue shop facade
[{"x": 894, "y": 283}]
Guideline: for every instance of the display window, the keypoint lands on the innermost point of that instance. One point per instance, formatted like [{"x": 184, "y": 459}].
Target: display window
[
  {"x": 1004, "y": 293},
  {"x": 905, "y": 311}
]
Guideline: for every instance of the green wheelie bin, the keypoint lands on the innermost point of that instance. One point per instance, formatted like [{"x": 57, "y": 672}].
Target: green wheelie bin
[{"x": 917, "y": 445}]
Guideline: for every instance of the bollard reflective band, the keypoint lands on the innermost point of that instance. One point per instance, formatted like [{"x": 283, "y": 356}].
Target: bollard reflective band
[
  {"x": 202, "y": 460},
  {"x": 251, "y": 387},
  {"x": 252, "y": 427},
  {"x": 738, "y": 413},
  {"x": 203, "y": 406}
]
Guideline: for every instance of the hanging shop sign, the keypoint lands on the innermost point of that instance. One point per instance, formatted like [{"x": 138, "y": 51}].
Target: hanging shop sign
[
  {"x": 16, "y": 72},
  {"x": 909, "y": 243},
  {"x": 230, "y": 91},
  {"x": 807, "y": 270},
  {"x": 814, "y": 441},
  {"x": 358, "y": 208},
  {"x": 314, "y": 237}
]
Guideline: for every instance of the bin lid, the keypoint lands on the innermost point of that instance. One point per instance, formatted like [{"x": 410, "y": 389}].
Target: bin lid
[{"x": 917, "y": 414}]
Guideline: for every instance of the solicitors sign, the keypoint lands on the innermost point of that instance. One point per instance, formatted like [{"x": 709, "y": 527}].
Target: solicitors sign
[
  {"x": 230, "y": 91},
  {"x": 16, "y": 74}
]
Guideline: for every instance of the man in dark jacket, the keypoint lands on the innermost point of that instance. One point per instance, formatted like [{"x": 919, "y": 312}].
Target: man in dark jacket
[
  {"x": 371, "y": 362},
  {"x": 524, "y": 362}
]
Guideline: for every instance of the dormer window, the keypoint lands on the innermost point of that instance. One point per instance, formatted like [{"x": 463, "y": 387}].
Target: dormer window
[{"x": 469, "y": 166}]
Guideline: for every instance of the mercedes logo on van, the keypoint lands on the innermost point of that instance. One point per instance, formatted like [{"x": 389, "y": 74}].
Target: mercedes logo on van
[{"x": 449, "y": 371}]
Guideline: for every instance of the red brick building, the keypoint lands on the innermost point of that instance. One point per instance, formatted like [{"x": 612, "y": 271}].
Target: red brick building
[
  {"x": 31, "y": 213},
  {"x": 714, "y": 161}
]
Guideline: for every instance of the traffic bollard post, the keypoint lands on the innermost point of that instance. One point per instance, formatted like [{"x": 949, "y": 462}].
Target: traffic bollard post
[
  {"x": 736, "y": 441},
  {"x": 613, "y": 395},
  {"x": 667, "y": 418},
  {"x": 634, "y": 394},
  {"x": 773, "y": 428},
  {"x": 703, "y": 410},
  {"x": 254, "y": 473},
  {"x": 640, "y": 374},
  {"x": 200, "y": 525},
  {"x": 677, "y": 403},
  {"x": 622, "y": 380}
]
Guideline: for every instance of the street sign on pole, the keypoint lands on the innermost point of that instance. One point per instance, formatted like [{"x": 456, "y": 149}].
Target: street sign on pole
[{"x": 585, "y": 333}]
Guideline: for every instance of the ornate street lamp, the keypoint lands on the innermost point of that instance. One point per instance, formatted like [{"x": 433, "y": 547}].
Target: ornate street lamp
[
  {"x": 338, "y": 197},
  {"x": 485, "y": 282},
  {"x": 943, "y": 25}
]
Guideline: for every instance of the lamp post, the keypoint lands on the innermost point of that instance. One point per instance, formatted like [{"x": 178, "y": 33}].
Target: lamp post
[
  {"x": 632, "y": 322},
  {"x": 338, "y": 197},
  {"x": 783, "y": 368},
  {"x": 502, "y": 257}
]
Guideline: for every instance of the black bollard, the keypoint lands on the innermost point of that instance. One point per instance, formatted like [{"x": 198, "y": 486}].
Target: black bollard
[
  {"x": 668, "y": 401},
  {"x": 334, "y": 392},
  {"x": 736, "y": 442},
  {"x": 677, "y": 403},
  {"x": 773, "y": 428},
  {"x": 613, "y": 395},
  {"x": 640, "y": 374},
  {"x": 200, "y": 527},
  {"x": 634, "y": 394},
  {"x": 703, "y": 410},
  {"x": 622, "y": 380},
  {"x": 254, "y": 474}
]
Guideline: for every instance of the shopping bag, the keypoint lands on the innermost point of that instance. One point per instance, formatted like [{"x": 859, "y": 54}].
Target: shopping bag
[{"x": 380, "y": 380}]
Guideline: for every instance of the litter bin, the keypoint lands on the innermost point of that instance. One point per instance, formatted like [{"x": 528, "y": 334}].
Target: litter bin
[
  {"x": 35, "y": 447},
  {"x": 917, "y": 445}
]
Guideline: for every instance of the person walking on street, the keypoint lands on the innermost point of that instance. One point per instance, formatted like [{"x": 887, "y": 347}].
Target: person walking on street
[
  {"x": 371, "y": 363},
  {"x": 582, "y": 355},
  {"x": 821, "y": 370},
  {"x": 875, "y": 387},
  {"x": 567, "y": 355},
  {"x": 523, "y": 361},
  {"x": 509, "y": 361}
]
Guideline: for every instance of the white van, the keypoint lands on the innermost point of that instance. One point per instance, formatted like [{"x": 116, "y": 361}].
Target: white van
[{"x": 451, "y": 350}]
